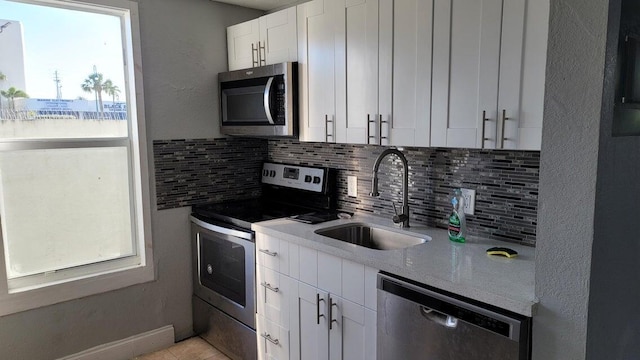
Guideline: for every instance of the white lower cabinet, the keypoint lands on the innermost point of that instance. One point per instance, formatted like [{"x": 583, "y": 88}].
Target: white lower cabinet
[
  {"x": 326, "y": 326},
  {"x": 312, "y": 305}
]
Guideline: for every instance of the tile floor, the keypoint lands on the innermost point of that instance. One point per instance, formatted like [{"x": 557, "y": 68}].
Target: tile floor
[{"x": 191, "y": 349}]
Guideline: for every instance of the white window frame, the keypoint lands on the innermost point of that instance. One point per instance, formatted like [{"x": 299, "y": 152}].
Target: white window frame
[{"x": 25, "y": 294}]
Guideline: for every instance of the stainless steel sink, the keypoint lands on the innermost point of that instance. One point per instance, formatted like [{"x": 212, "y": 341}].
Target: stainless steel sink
[{"x": 371, "y": 237}]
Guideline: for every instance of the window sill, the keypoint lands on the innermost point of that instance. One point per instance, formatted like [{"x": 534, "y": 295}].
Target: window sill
[{"x": 74, "y": 289}]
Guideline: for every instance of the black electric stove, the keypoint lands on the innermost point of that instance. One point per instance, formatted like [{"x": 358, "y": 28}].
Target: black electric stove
[{"x": 305, "y": 194}]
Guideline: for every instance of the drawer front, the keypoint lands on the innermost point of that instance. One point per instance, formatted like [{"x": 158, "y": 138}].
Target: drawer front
[
  {"x": 272, "y": 295},
  {"x": 272, "y": 253},
  {"x": 273, "y": 340}
]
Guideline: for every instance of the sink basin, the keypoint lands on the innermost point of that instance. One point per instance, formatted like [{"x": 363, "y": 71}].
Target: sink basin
[{"x": 371, "y": 237}]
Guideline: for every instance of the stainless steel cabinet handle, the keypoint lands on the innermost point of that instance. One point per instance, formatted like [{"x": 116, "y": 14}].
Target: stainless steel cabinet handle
[
  {"x": 326, "y": 128},
  {"x": 254, "y": 55},
  {"x": 262, "y": 50},
  {"x": 369, "y": 121},
  {"x": 270, "y": 339},
  {"x": 504, "y": 120},
  {"x": 266, "y": 285},
  {"x": 318, "y": 315},
  {"x": 268, "y": 252},
  {"x": 484, "y": 120},
  {"x": 380, "y": 122},
  {"x": 331, "y": 319}
]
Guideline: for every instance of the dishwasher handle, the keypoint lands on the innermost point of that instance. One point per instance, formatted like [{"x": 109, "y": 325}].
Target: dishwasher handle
[{"x": 447, "y": 321}]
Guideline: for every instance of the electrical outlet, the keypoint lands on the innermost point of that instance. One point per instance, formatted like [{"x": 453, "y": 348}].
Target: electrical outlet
[
  {"x": 352, "y": 186},
  {"x": 469, "y": 196}
]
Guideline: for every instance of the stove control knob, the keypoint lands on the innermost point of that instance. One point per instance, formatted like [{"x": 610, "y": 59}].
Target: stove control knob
[
  {"x": 209, "y": 269},
  {"x": 316, "y": 179},
  {"x": 307, "y": 178},
  {"x": 272, "y": 173},
  {"x": 265, "y": 172}
]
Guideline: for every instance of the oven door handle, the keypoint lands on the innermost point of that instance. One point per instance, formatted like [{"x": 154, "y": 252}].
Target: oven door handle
[
  {"x": 222, "y": 230},
  {"x": 267, "y": 102}
]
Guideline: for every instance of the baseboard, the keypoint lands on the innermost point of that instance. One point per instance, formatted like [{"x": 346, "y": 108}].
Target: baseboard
[{"x": 130, "y": 347}]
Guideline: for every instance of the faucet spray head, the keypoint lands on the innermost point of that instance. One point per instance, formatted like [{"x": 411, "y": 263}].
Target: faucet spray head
[{"x": 374, "y": 186}]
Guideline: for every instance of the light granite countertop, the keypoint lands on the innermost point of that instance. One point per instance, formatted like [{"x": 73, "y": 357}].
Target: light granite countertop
[{"x": 463, "y": 269}]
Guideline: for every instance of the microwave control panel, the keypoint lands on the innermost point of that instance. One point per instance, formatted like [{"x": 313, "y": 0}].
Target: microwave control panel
[{"x": 293, "y": 176}]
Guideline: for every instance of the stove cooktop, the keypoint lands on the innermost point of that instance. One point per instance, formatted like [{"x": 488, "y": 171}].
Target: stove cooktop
[
  {"x": 302, "y": 193},
  {"x": 243, "y": 213}
]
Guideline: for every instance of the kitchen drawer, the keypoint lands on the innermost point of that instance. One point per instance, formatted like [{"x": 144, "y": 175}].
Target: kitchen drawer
[
  {"x": 273, "y": 340},
  {"x": 272, "y": 253},
  {"x": 272, "y": 295}
]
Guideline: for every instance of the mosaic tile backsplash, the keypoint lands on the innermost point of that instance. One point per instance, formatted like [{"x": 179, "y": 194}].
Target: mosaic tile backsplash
[
  {"x": 506, "y": 182},
  {"x": 197, "y": 171}
]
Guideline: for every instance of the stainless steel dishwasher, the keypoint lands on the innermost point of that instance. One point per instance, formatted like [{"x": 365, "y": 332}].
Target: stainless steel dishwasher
[{"x": 418, "y": 322}]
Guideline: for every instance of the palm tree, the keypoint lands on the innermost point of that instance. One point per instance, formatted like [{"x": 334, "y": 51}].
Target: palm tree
[
  {"x": 13, "y": 93},
  {"x": 111, "y": 90},
  {"x": 95, "y": 83}
]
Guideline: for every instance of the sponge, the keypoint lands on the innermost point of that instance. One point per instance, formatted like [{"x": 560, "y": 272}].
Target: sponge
[{"x": 502, "y": 251}]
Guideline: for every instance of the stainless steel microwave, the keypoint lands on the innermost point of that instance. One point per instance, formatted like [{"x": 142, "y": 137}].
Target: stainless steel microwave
[{"x": 260, "y": 102}]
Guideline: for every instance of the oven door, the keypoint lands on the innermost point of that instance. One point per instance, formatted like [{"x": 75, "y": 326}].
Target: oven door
[{"x": 224, "y": 269}]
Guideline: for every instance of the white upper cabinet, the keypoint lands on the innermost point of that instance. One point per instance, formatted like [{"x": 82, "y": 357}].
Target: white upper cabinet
[
  {"x": 378, "y": 84},
  {"x": 357, "y": 74},
  {"x": 270, "y": 39},
  {"x": 465, "y": 72},
  {"x": 482, "y": 73},
  {"x": 528, "y": 131},
  {"x": 242, "y": 41},
  {"x": 441, "y": 73},
  {"x": 406, "y": 29},
  {"x": 318, "y": 21},
  {"x": 338, "y": 54}
]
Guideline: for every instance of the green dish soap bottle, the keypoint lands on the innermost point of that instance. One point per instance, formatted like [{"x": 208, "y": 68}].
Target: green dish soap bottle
[{"x": 457, "y": 221}]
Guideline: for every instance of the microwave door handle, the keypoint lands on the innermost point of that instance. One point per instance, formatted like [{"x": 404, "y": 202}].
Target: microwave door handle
[{"x": 267, "y": 96}]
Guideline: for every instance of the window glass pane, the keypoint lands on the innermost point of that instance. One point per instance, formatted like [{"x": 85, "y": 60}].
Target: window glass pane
[
  {"x": 64, "y": 207},
  {"x": 62, "y": 73}
]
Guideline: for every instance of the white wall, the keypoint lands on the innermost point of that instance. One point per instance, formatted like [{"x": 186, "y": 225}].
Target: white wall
[
  {"x": 568, "y": 176},
  {"x": 183, "y": 48}
]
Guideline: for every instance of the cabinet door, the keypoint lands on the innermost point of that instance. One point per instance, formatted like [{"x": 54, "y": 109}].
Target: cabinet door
[
  {"x": 357, "y": 71},
  {"x": 352, "y": 333},
  {"x": 273, "y": 340},
  {"x": 278, "y": 37},
  {"x": 406, "y": 28},
  {"x": 466, "y": 51},
  {"x": 272, "y": 296},
  {"x": 528, "y": 127},
  {"x": 242, "y": 41},
  {"x": 317, "y": 66},
  {"x": 309, "y": 327},
  {"x": 509, "y": 86}
]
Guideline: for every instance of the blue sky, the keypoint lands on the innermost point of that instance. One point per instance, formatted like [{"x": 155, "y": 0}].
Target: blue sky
[{"x": 70, "y": 42}]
